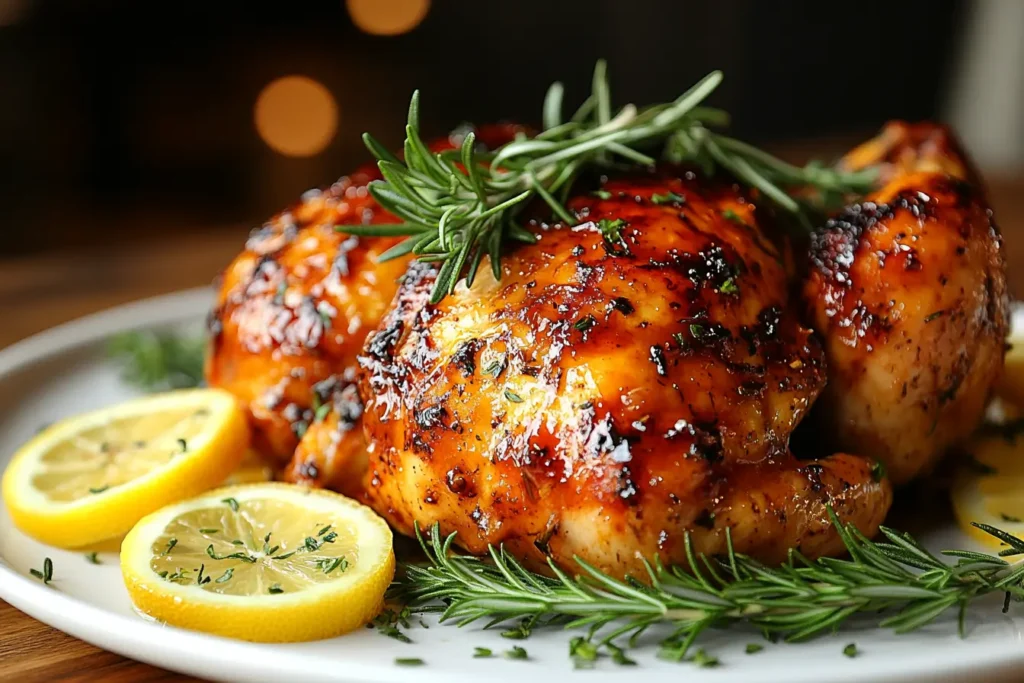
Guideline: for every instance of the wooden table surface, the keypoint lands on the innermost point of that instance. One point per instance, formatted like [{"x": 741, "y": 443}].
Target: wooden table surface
[{"x": 39, "y": 292}]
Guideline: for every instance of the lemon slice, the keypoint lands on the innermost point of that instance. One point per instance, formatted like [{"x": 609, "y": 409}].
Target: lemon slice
[
  {"x": 93, "y": 476},
  {"x": 262, "y": 562},
  {"x": 988, "y": 488}
]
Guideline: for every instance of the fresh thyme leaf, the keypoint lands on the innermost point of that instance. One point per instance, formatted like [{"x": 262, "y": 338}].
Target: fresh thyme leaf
[
  {"x": 696, "y": 331},
  {"x": 520, "y": 632},
  {"x": 200, "y": 579},
  {"x": 494, "y": 368},
  {"x": 209, "y": 531},
  {"x": 753, "y": 648},
  {"x": 516, "y": 653},
  {"x": 409, "y": 661},
  {"x": 878, "y": 471},
  {"x": 602, "y": 194},
  {"x": 850, "y": 650},
  {"x": 932, "y": 316},
  {"x": 159, "y": 361},
  {"x": 321, "y": 413},
  {"x": 513, "y": 396},
  {"x": 275, "y": 589},
  {"x": 1009, "y": 518},
  {"x": 226, "y": 576},
  {"x": 329, "y": 564},
  {"x": 170, "y": 546},
  {"x": 92, "y": 558},
  {"x": 732, "y": 217},
  {"x": 183, "y": 445},
  {"x": 482, "y": 652},
  {"x": 456, "y": 206},
  {"x": 99, "y": 489},
  {"x": 324, "y": 530},
  {"x": 231, "y": 503}
]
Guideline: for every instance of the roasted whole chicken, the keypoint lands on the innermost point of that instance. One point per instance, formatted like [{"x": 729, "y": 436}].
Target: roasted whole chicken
[{"x": 636, "y": 377}]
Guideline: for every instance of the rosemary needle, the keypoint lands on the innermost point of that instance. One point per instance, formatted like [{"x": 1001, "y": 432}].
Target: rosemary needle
[
  {"x": 457, "y": 206},
  {"x": 895, "y": 580}
]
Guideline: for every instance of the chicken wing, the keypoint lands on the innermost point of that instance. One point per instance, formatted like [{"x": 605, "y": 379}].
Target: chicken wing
[
  {"x": 626, "y": 382},
  {"x": 908, "y": 291}
]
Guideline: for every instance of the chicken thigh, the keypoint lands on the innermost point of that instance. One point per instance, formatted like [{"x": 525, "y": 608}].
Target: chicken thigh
[
  {"x": 908, "y": 290},
  {"x": 627, "y": 381}
]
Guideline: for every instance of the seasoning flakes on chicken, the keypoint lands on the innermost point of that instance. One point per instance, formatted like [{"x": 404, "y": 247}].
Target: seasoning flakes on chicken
[
  {"x": 627, "y": 381},
  {"x": 908, "y": 290}
]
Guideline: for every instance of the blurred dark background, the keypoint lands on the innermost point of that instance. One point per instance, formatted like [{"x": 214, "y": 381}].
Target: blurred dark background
[{"x": 127, "y": 121}]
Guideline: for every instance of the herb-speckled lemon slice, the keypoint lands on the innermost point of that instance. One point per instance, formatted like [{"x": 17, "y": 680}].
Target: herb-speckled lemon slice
[
  {"x": 91, "y": 477},
  {"x": 262, "y": 562}
]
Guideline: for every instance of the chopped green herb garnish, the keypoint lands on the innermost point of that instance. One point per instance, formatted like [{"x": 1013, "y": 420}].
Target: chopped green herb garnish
[
  {"x": 183, "y": 445},
  {"x": 619, "y": 655},
  {"x": 754, "y": 648},
  {"x": 200, "y": 579},
  {"x": 667, "y": 198},
  {"x": 409, "y": 661},
  {"x": 1009, "y": 518},
  {"x": 329, "y": 564},
  {"x": 170, "y": 546},
  {"x": 324, "y": 530},
  {"x": 99, "y": 489},
  {"x": 585, "y": 323},
  {"x": 703, "y": 659},
  {"x": 482, "y": 652},
  {"x": 731, "y": 215},
  {"x": 226, "y": 576},
  {"x": 322, "y": 412},
  {"x": 46, "y": 575},
  {"x": 729, "y": 287},
  {"x": 494, "y": 368},
  {"x": 520, "y": 632},
  {"x": 516, "y": 653},
  {"x": 92, "y": 558},
  {"x": 583, "y": 652},
  {"x": 932, "y": 316},
  {"x": 602, "y": 194},
  {"x": 231, "y": 503},
  {"x": 878, "y": 471},
  {"x": 697, "y": 331},
  {"x": 209, "y": 531},
  {"x": 851, "y": 650},
  {"x": 275, "y": 589},
  {"x": 512, "y": 396},
  {"x": 245, "y": 557}
]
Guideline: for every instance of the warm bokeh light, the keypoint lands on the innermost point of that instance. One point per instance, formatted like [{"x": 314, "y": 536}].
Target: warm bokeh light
[
  {"x": 296, "y": 116},
  {"x": 387, "y": 17}
]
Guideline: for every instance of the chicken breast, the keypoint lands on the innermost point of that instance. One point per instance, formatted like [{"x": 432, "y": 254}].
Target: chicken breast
[
  {"x": 908, "y": 291},
  {"x": 627, "y": 382},
  {"x": 292, "y": 313}
]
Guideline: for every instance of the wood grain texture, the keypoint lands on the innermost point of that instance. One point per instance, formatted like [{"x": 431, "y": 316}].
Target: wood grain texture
[{"x": 39, "y": 292}]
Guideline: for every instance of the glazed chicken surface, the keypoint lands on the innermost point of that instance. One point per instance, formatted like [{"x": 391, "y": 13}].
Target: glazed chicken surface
[
  {"x": 908, "y": 291},
  {"x": 634, "y": 378},
  {"x": 627, "y": 380},
  {"x": 292, "y": 313}
]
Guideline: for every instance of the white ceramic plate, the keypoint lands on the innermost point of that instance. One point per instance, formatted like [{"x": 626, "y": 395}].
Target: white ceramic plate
[{"x": 65, "y": 371}]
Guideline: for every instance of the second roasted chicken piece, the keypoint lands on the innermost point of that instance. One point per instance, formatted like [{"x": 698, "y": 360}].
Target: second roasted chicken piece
[
  {"x": 908, "y": 290},
  {"x": 627, "y": 381}
]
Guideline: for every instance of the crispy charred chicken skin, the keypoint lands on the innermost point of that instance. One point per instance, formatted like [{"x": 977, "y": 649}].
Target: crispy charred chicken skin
[
  {"x": 908, "y": 291},
  {"x": 292, "y": 313},
  {"x": 627, "y": 380}
]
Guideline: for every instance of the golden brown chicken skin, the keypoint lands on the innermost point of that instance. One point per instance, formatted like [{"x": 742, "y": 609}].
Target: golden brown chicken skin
[
  {"x": 908, "y": 291},
  {"x": 627, "y": 381},
  {"x": 294, "y": 308}
]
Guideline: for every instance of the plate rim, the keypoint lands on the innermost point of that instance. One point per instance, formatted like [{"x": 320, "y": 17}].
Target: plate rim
[{"x": 220, "y": 658}]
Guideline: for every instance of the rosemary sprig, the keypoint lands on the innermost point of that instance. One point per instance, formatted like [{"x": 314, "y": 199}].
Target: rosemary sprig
[
  {"x": 897, "y": 581},
  {"x": 157, "y": 361},
  {"x": 459, "y": 205}
]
